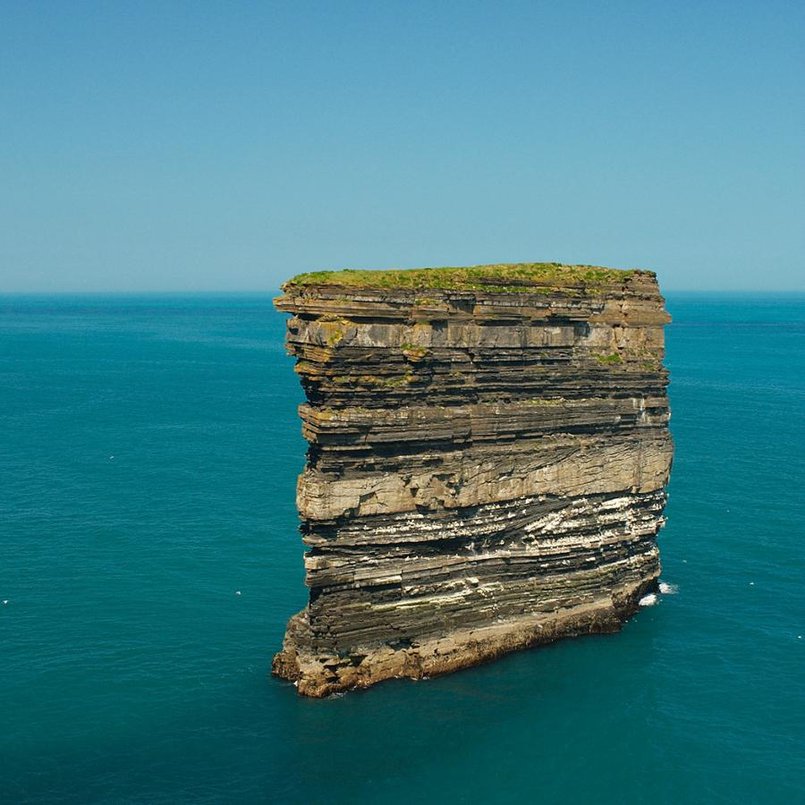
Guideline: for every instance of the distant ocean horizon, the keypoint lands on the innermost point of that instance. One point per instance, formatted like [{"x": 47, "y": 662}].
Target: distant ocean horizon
[{"x": 150, "y": 561}]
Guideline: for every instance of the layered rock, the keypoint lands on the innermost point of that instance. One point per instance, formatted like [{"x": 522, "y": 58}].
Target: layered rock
[{"x": 488, "y": 455}]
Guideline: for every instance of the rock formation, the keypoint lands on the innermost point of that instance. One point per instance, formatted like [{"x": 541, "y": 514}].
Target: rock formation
[{"x": 488, "y": 455}]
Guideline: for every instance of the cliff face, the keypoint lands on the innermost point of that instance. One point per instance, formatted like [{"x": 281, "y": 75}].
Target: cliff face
[{"x": 488, "y": 455}]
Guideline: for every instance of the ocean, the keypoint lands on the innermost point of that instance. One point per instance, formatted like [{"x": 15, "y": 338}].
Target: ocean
[{"x": 149, "y": 560}]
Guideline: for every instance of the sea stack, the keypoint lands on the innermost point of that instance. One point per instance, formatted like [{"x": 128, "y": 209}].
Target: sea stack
[{"x": 488, "y": 457}]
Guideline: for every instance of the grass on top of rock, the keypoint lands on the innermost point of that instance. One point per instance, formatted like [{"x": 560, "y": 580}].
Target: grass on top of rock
[{"x": 510, "y": 277}]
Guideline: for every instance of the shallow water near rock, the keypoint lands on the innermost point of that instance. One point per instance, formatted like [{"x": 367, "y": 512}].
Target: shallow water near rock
[{"x": 150, "y": 562}]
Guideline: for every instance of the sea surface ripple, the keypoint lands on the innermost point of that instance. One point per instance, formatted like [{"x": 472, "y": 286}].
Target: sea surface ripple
[{"x": 150, "y": 560}]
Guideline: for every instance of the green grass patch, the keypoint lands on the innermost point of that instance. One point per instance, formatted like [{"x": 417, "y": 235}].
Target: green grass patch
[
  {"x": 613, "y": 359},
  {"x": 505, "y": 277}
]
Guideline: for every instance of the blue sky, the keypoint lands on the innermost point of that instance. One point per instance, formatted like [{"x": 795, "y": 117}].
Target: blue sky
[{"x": 227, "y": 146}]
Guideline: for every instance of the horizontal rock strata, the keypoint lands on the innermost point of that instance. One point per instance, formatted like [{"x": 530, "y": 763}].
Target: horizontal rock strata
[{"x": 486, "y": 467}]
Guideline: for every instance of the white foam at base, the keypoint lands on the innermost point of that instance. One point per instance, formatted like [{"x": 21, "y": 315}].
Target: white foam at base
[
  {"x": 648, "y": 600},
  {"x": 668, "y": 589}
]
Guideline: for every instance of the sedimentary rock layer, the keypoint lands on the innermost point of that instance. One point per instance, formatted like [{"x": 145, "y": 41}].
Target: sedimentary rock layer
[{"x": 488, "y": 455}]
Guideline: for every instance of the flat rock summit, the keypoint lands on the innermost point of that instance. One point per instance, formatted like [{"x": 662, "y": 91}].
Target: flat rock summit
[{"x": 488, "y": 455}]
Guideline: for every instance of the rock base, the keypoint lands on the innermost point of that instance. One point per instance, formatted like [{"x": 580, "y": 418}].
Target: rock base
[{"x": 320, "y": 676}]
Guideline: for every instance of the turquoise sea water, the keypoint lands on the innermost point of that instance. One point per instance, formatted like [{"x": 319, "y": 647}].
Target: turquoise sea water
[{"x": 148, "y": 459}]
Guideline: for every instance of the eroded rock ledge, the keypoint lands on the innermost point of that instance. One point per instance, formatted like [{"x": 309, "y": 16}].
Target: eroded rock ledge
[{"x": 488, "y": 456}]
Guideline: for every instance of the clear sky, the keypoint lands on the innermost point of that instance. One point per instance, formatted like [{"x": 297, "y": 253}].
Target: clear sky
[{"x": 230, "y": 145}]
